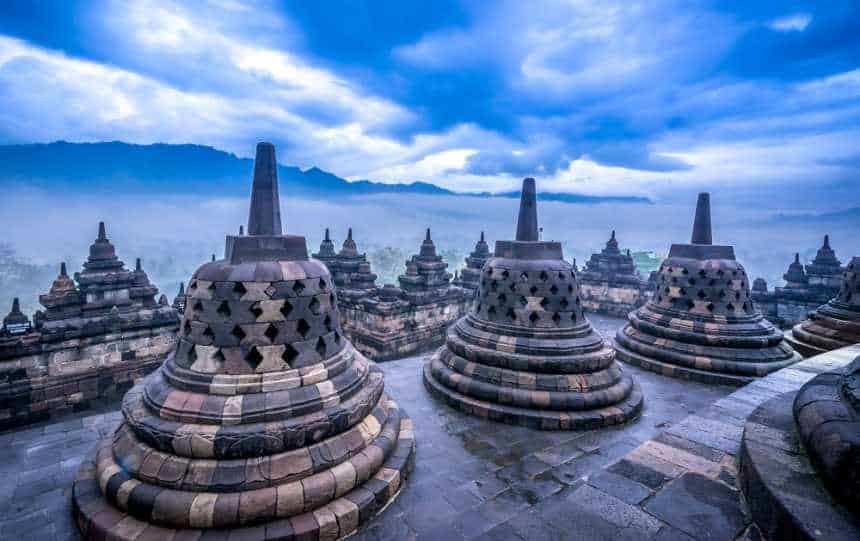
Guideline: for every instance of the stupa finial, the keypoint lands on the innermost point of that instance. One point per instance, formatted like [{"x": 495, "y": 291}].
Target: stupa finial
[
  {"x": 213, "y": 257},
  {"x": 826, "y": 241},
  {"x": 102, "y": 234},
  {"x": 427, "y": 236},
  {"x": 63, "y": 269},
  {"x": 797, "y": 257},
  {"x": 482, "y": 236},
  {"x": 527, "y": 228},
  {"x": 137, "y": 265},
  {"x": 264, "y": 217},
  {"x": 327, "y": 238},
  {"x": 16, "y": 306},
  {"x": 349, "y": 234},
  {"x": 241, "y": 230},
  {"x": 613, "y": 235},
  {"x": 702, "y": 223},
  {"x": 181, "y": 289}
]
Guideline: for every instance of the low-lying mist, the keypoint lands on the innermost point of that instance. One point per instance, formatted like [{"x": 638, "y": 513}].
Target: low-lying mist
[{"x": 174, "y": 235}]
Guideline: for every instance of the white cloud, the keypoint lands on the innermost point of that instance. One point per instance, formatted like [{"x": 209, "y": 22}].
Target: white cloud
[{"x": 791, "y": 23}]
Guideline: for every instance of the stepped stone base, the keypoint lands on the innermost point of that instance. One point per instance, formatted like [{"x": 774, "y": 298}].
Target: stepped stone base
[
  {"x": 541, "y": 419},
  {"x": 612, "y": 300},
  {"x": 804, "y": 348},
  {"x": 785, "y": 494},
  {"x": 56, "y": 378},
  {"x": 385, "y": 334},
  {"x": 677, "y": 371},
  {"x": 341, "y": 517}
]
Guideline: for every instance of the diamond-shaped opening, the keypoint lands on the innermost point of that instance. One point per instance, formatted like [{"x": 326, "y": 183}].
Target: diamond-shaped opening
[
  {"x": 561, "y": 276},
  {"x": 239, "y": 289},
  {"x": 533, "y": 290},
  {"x": 737, "y": 295},
  {"x": 478, "y": 308},
  {"x": 690, "y": 304},
  {"x": 710, "y": 307},
  {"x": 712, "y": 282},
  {"x": 511, "y": 314},
  {"x": 683, "y": 291},
  {"x": 502, "y": 298},
  {"x": 321, "y": 347},
  {"x": 730, "y": 307},
  {"x": 271, "y": 332},
  {"x": 556, "y": 319},
  {"x": 193, "y": 285},
  {"x": 701, "y": 294},
  {"x": 238, "y": 333},
  {"x": 523, "y": 301},
  {"x": 577, "y": 301},
  {"x": 211, "y": 286},
  {"x": 187, "y": 327},
  {"x": 564, "y": 302},
  {"x": 722, "y": 294},
  {"x": 544, "y": 276},
  {"x": 314, "y": 305},
  {"x": 337, "y": 337},
  {"x": 573, "y": 316},
  {"x": 570, "y": 288},
  {"x": 691, "y": 281},
  {"x": 289, "y": 355},
  {"x": 491, "y": 311},
  {"x": 720, "y": 272},
  {"x": 303, "y": 327},
  {"x": 224, "y": 309},
  {"x": 323, "y": 284},
  {"x": 208, "y": 332},
  {"x": 192, "y": 355},
  {"x": 328, "y": 324},
  {"x": 544, "y": 302},
  {"x": 524, "y": 276},
  {"x": 512, "y": 287},
  {"x": 685, "y": 271},
  {"x": 331, "y": 298},
  {"x": 256, "y": 310},
  {"x": 286, "y": 308},
  {"x": 298, "y": 287},
  {"x": 702, "y": 273},
  {"x": 494, "y": 285},
  {"x": 505, "y": 274},
  {"x": 198, "y": 306},
  {"x": 219, "y": 357},
  {"x": 533, "y": 317},
  {"x": 553, "y": 289},
  {"x": 254, "y": 358}
]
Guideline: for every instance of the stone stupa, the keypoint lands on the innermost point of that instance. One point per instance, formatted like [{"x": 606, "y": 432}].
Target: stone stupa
[
  {"x": 835, "y": 324},
  {"x": 526, "y": 354},
  {"x": 701, "y": 324},
  {"x": 264, "y": 422},
  {"x": 470, "y": 275}
]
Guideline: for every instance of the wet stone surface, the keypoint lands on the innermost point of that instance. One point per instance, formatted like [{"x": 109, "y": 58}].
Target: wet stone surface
[{"x": 473, "y": 479}]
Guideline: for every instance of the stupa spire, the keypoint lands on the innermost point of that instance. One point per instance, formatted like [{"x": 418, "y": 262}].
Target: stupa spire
[
  {"x": 327, "y": 237},
  {"x": 527, "y": 228},
  {"x": 348, "y": 234},
  {"x": 427, "y": 236},
  {"x": 482, "y": 236},
  {"x": 102, "y": 234},
  {"x": 702, "y": 224},
  {"x": 137, "y": 265},
  {"x": 63, "y": 269},
  {"x": 827, "y": 241},
  {"x": 797, "y": 257},
  {"x": 264, "y": 217}
]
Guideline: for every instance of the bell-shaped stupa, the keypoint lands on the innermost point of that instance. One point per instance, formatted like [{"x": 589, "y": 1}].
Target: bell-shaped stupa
[
  {"x": 701, "y": 323},
  {"x": 526, "y": 354},
  {"x": 264, "y": 422},
  {"x": 835, "y": 324}
]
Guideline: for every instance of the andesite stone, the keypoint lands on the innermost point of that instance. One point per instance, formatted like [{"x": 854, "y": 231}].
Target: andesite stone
[
  {"x": 610, "y": 283},
  {"x": 470, "y": 275},
  {"x": 702, "y": 323},
  {"x": 264, "y": 422},
  {"x": 835, "y": 324},
  {"x": 525, "y": 353}
]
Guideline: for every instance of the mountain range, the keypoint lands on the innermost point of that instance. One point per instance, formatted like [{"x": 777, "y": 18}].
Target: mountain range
[{"x": 119, "y": 167}]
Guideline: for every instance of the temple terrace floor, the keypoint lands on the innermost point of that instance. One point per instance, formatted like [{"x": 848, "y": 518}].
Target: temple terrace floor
[{"x": 476, "y": 479}]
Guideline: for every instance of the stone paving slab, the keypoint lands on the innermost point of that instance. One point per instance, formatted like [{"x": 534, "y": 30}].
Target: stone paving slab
[{"x": 473, "y": 479}]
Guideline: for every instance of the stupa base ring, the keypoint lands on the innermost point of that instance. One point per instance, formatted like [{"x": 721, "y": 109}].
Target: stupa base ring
[
  {"x": 623, "y": 412},
  {"x": 97, "y": 519},
  {"x": 680, "y": 372},
  {"x": 806, "y": 349},
  {"x": 786, "y": 495}
]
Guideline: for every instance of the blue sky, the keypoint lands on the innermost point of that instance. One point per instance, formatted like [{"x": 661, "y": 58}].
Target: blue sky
[{"x": 650, "y": 98}]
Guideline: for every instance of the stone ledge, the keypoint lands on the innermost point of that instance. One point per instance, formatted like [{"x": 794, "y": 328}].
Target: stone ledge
[{"x": 692, "y": 467}]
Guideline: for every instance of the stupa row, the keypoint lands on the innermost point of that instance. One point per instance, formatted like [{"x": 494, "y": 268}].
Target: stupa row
[
  {"x": 806, "y": 288},
  {"x": 394, "y": 321},
  {"x": 99, "y": 332}
]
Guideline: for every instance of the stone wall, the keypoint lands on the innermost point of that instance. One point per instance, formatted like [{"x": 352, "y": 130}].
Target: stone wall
[
  {"x": 384, "y": 332},
  {"x": 614, "y": 300},
  {"x": 47, "y": 379}
]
